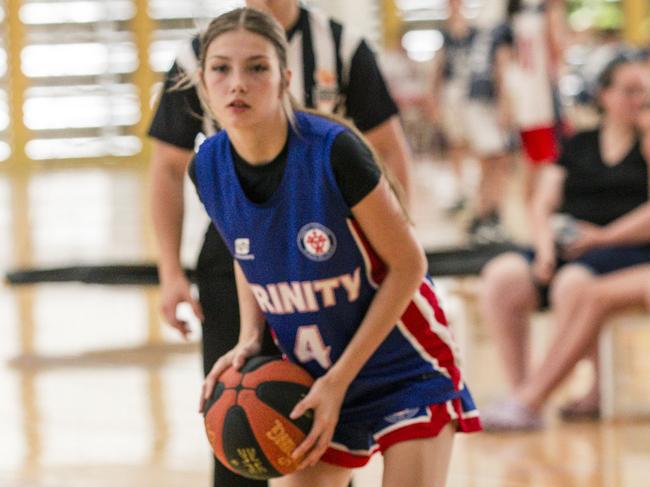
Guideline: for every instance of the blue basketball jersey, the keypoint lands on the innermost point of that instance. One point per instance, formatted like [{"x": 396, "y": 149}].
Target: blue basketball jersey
[{"x": 314, "y": 275}]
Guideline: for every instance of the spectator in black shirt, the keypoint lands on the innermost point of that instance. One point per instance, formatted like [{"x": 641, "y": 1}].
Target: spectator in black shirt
[{"x": 601, "y": 177}]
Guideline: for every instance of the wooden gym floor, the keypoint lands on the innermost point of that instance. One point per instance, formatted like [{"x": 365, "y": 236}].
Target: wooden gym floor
[{"x": 95, "y": 391}]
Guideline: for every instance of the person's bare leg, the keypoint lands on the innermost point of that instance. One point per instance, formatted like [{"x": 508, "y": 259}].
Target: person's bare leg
[
  {"x": 320, "y": 475},
  {"x": 419, "y": 463},
  {"x": 457, "y": 156},
  {"x": 507, "y": 298},
  {"x": 566, "y": 302},
  {"x": 603, "y": 296},
  {"x": 565, "y": 295},
  {"x": 492, "y": 189},
  {"x": 531, "y": 175}
]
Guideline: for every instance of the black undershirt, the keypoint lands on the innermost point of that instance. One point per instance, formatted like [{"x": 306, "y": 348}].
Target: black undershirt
[{"x": 355, "y": 171}]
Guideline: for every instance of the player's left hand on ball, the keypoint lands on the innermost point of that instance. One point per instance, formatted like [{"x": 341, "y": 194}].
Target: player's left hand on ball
[
  {"x": 234, "y": 358},
  {"x": 325, "y": 398}
]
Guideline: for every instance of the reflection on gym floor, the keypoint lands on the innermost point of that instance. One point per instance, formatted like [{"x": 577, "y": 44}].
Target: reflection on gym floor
[{"x": 95, "y": 391}]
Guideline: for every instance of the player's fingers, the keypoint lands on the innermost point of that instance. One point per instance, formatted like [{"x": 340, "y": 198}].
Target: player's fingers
[
  {"x": 218, "y": 368},
  {"x": 308, "y": 443},
  {"x": 239, "y": 360},
  {"x": 206, "y": 391},
  {"x": 302, "y": 407},
  {"x": 317, "y": 451},
  {"x": 241, "y": 356}
]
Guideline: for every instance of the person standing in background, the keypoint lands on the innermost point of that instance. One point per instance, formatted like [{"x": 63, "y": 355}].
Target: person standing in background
[
  {"x": 450, "y": 83},
  {"x": 467, "y": 96},
  {"x": 538, "y": 35}
]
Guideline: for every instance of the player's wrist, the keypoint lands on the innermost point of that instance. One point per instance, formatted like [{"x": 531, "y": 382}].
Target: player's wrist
[
  {"x": 250, "y": 336},
  {"x": 340, "y": 375}
]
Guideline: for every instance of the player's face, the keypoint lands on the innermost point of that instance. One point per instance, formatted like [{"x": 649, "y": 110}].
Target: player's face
[
  {"x": 625, "y": 98},
  {"x": 242, "y": 80}
]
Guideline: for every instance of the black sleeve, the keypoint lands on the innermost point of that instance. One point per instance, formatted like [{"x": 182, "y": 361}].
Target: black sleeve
[
  {"x": 355, "y": 170},
  {"x": 368, "y": 102},
  {"x": 178, "y": 117}
]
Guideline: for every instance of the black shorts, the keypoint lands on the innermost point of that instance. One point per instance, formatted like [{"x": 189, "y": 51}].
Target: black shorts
[{"x": 599, "y": 261}]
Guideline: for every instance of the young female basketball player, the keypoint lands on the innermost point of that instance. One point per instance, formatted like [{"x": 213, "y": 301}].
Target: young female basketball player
[{"x": 325, "y": 255}]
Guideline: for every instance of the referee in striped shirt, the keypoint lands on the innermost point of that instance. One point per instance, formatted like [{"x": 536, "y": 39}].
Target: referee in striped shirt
[{"x": 334, "y": 71}]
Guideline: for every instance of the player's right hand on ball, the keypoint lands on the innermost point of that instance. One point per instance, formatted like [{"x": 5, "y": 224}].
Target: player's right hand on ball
[{"x": 234, "y": 358}]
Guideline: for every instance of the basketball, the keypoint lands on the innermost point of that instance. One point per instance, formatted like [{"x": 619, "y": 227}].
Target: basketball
[{"x": 247, "y": 418}]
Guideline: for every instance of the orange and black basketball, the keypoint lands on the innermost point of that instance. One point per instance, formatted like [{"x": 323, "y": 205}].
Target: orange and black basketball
[{"x": 247, "y": 417}]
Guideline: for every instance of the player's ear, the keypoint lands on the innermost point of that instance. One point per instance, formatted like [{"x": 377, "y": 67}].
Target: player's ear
[{"x": 287, "y": 78}]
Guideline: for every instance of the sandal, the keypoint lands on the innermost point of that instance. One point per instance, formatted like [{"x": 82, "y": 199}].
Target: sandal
[{"x": 579, "y": 411}]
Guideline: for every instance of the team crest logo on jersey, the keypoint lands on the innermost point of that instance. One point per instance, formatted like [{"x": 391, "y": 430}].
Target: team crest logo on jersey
[
  {"x": 316, "y": 242},
  {"x": 243, "y": 248},
  {"x": 402, "y": 415}
]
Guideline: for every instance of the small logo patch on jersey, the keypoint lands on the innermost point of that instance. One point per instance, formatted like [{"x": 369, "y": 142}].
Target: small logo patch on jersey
[
  {"x": 402, "y": 415},
  {"x": 316, "y": 242},
  {"x": 243, "y": 248}
]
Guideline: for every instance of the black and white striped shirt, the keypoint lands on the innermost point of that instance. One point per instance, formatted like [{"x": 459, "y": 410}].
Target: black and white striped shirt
[{"x": 333, "y": 70}]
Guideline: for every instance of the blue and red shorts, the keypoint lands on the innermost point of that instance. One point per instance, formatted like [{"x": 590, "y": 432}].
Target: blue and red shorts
[{"x": 354, "y": 443}]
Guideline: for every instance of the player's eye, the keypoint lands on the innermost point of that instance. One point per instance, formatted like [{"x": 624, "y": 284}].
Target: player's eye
[
  {"x": 220, "y": 68},
  {"x": 259, "y": 68}
]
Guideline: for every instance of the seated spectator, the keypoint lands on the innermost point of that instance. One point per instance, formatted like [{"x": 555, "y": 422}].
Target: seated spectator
[
  {"x": 601, "y": 176},
  {"x": 577, "y": 336}
]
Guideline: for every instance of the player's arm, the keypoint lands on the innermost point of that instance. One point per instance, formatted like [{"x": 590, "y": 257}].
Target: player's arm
[
  {"x": 166, "y": 174},
  {"x": 389, "y": 232},
  {"x": 392, "y": 236},
  {"x": 252, "y": 320},
  {"x": 251, "y": 332}
]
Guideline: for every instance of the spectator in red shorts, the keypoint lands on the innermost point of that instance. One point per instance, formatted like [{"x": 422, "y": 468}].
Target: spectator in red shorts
[{"x": 537, "y": 33}]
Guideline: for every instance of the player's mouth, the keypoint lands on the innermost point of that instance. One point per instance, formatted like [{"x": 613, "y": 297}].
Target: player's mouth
[{"x": 238, "y": 106}]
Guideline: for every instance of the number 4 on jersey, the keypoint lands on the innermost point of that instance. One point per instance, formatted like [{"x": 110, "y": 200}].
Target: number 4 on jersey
[{"x": 310, "y": 346}]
